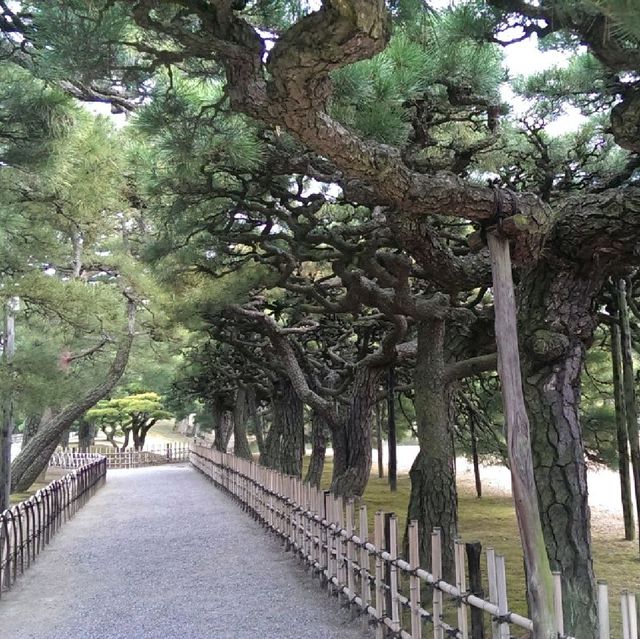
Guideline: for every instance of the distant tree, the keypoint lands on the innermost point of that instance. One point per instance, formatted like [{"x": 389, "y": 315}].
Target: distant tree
[{"x": 133, "y": 415}]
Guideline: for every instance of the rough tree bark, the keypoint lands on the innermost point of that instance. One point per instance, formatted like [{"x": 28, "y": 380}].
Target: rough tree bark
[
  {"x": 622, "y": 439},
  {"x": 433, "y": 501},
  {"x": 629, "y": 388},
  {"x": 222, "y": 423},
  {"x": 32, "y": 423},
  {"x": 288, "y": 410},
  {"x": 270, "y": 456},
  {"x": 86, "y": 435},
  {"x": 353, "y": 479},
  {"x": 35, "y": 456},
  {"x": 241, "y": 446},
  {"x": 318, "y": 450},
  {"x": 556, "y": 302}
]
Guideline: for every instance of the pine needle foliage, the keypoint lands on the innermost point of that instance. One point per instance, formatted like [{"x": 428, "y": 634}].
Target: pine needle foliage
[{"x": 422, "y": 59}]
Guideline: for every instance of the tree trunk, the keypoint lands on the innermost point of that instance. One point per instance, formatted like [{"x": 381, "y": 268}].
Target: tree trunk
[
  {"x": 288, "y": 410},
  {"x": 64, "y": 438},
  {"x": 621, "y": 433},
  {"x": 433, "y": 501},
  {"x": 127, "y": 433},
  {"x": 629, "y": 388},
  {"x": 318, "y": 450},
  {"x": 7, "y": 405},
  {"x": 474, "y": 455},
  {"x": 352, "y": 481},
  {"x": 379, "y": 417},
  {"x": 241, "y": 446},
  {"x": 223, "y": 425},
  {"x": 144, "y": 430},
  {"x": 391, "y": 421},
  {"x": 86, "y": 435},
  {"x": 32, "y": 423},
  {"x": 35, "y": 456},
  {"x": 270, "y": 457},
  {"x": 539, "y": 578},
  {"x": 255, "y": 419},
  {"x": 557, "y": 319}
]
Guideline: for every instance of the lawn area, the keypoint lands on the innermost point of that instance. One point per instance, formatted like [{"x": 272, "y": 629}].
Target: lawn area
[{"x": 491, "y": 520}]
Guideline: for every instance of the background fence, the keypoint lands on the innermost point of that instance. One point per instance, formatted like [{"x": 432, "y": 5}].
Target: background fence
[
  {"x": 332, "y": 537},
  {"x": 27, "y": 527},
  {"x": 153, "y": 455}
]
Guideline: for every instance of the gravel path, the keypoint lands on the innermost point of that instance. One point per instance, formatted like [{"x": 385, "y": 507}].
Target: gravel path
[{"x": 160, "y": 553}]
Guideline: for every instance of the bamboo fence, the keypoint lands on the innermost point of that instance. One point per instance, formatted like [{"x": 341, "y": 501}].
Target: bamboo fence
[
  {"x": 27, "y": 527},
  {"x": 332, "y": 537},
  {"x": 169, "y": 453}
]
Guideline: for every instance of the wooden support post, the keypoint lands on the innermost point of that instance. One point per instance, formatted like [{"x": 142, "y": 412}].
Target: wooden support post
[
  {"x": 414, "y": 581},
  {"x": 436, "y": 571},
  {"x": 539, "y": 579},
  {"x": 474, "y": 552}
]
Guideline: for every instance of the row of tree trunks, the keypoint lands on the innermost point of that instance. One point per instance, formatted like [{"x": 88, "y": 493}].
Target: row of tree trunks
[
  {"x": 629, "y": 389},
  {"x": 622, "y": 438}
]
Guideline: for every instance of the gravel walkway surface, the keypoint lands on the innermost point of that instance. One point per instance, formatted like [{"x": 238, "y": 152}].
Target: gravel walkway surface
[{"x": 160, "y": 553}]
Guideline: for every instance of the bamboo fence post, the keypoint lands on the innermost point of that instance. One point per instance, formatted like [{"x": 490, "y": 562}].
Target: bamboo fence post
[
  {"x": 633, "y": 614},
  {"x": 324, "y": 533},
  {"x": 626, "y": 633},
  {"x": 339, "y": 542},
  {"x": 461, "y": 585},
  {"x": 393, "y": 611},
  {"x": 414, "y": 580},
  {"x": 603, "y": 610},
  {"x": 378, "y": 542},
  {"x": 493, "y": 589},
  {"x": 436, "y": 571},
  {"x": 503, "y": 606},
  {"x": 365, "y": 564},
  {"x": 350, "y": 547},
  {"x": 557, "y": 601},
  {"x": 331, "y": 542}
]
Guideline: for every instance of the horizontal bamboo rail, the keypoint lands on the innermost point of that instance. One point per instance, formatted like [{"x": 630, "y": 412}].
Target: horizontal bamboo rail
[
  {"x": 27, "y": 527},
  {"x": 170, "y": 453},
  {"x": 321, "y": 529}
]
